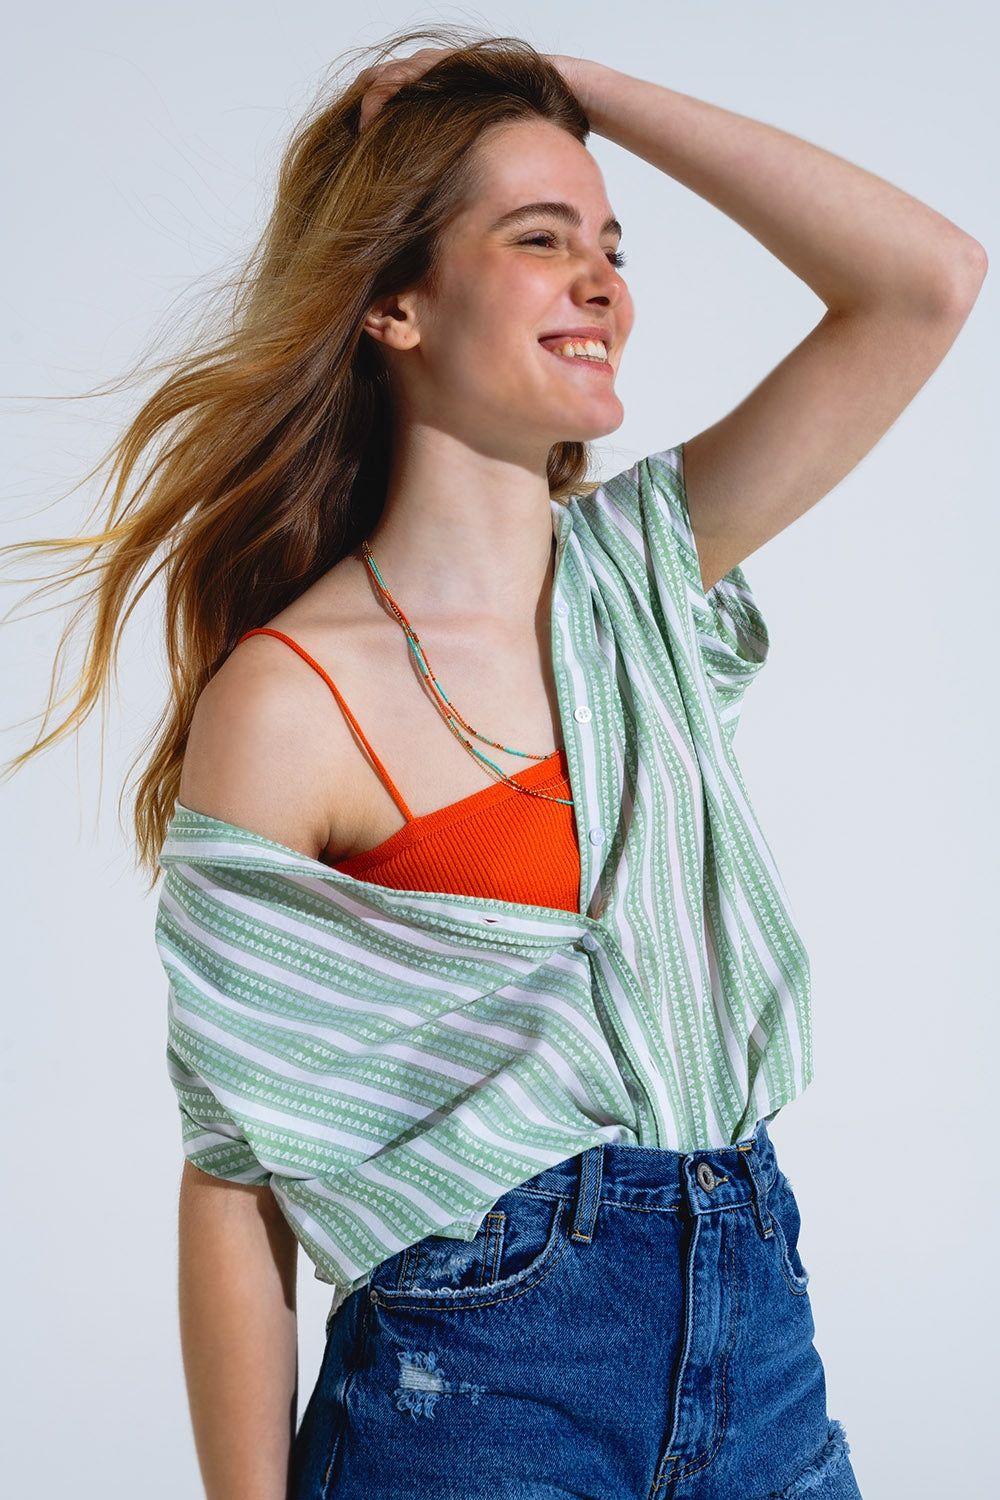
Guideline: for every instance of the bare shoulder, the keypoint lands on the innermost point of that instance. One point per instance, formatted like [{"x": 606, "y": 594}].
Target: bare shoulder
[{"x": 259, "y": 749}]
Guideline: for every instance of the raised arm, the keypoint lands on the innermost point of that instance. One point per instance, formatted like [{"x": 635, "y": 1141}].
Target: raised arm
[{"x": 897, "y": 278}]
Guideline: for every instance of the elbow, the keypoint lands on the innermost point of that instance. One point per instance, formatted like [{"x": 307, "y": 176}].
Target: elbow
[
  {"x": 978, "y": 261},
  {"x": 970, "y": 273},
  {"x": 931, "y": 283},
  {"x": 960, "y": 279}
]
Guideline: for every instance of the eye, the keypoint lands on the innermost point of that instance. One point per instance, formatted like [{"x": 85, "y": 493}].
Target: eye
[{"x": 546, "y": 239}]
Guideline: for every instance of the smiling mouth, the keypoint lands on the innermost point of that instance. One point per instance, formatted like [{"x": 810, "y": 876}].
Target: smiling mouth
[{"x": 580, "y": 351}]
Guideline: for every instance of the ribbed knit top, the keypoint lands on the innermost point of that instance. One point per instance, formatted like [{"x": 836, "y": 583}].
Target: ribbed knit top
[{"x": 498, "y": 842}]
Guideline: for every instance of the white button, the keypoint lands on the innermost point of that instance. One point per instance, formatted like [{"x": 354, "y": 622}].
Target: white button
[
  {"x": 562, "y": 609},
  {"x": 589, "y": 941},
  {"x": 596, "y": 835},
  {"x": 582, "y": 715}
]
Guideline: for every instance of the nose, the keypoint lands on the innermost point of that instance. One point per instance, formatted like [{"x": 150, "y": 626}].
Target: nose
[{"x": 599, "y": 281}]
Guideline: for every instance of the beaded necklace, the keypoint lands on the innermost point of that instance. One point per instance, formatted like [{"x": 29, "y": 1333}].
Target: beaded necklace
[{"x": 448, "y": 711}]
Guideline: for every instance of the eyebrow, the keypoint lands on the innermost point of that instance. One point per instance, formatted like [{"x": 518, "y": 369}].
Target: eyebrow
[{"x": 564, "y": 211}]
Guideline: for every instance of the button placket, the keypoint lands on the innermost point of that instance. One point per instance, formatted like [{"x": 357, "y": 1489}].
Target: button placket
[{"x": 588, "y": 753}]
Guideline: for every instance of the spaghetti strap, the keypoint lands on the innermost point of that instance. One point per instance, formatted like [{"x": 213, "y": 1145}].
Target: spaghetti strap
[{"x": 390, "y": 786}]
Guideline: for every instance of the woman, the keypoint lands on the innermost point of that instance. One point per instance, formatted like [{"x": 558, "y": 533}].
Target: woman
[{"x": 495, "y": 1043}]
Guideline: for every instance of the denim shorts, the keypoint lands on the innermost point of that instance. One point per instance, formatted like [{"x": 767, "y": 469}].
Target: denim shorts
[{"x": 632, "y": 1322}]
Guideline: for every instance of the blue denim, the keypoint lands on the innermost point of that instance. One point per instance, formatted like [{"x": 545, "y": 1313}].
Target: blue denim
[{"x": 632, "y": 1322}]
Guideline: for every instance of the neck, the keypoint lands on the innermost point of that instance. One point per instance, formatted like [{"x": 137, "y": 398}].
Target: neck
[{"x": 463, "y": 533}]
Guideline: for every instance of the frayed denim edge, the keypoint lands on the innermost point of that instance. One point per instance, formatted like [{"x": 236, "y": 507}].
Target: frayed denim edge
[{"x": 822, "y": 1468}]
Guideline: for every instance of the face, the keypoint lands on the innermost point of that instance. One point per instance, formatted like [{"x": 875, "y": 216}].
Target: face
[{"x": 518, "y": 288}]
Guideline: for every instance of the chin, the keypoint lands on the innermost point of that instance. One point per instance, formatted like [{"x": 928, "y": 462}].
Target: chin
[{"x": 589, "y": 432}]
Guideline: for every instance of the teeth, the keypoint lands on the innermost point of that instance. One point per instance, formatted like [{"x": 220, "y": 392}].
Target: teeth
[{"x": 578, "y": 349}]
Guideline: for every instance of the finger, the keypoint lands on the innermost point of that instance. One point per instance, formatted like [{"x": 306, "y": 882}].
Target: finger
[
  {"x": 387, "y": 78},
  {"x": 371, "y": 104}
]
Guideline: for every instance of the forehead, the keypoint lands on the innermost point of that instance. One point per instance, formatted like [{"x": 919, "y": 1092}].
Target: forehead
[{"x": 531, "y": 161}]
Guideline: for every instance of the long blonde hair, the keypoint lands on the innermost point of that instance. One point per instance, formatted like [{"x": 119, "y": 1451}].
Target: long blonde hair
[{"x": 263, "y": 457}]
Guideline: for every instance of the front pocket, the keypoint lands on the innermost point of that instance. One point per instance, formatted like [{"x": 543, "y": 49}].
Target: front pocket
[
  {"x": 438, "y": 1260},
  {"x": 518, "y": 1243},
  {"x": 785, "y": 1218}
]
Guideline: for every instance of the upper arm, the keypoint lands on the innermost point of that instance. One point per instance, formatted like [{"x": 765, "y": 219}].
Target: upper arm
[
  {"x": 810, "y": 421},
  {"x": 222, "y": 1195},
  {"x": 255, "y": 754},
  {"x": 217, "y": 1217}
]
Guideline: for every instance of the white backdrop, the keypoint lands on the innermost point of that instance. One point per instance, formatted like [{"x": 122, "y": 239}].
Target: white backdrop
[{"x": 139, "y": 146}]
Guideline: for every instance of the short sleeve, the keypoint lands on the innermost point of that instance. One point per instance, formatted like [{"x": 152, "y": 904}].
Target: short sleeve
[
  {"x": 723, "y": 632},
  {"x": 212, "y": 1140}
]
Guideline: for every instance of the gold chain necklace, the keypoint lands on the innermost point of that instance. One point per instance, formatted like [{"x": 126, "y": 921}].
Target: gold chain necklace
[{"x": 447, "y": 709}]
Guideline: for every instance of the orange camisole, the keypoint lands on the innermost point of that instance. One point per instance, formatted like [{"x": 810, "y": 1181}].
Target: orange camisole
[{"x": 495, "y": 843}]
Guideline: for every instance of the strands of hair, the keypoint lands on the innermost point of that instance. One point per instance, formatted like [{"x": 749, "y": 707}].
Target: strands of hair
[{"x": 263, "y": 456}]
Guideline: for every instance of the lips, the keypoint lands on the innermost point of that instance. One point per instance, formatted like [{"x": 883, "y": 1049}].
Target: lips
[
  {"x": 588, "y": 345},
  {"x": 553, "y": 341}
]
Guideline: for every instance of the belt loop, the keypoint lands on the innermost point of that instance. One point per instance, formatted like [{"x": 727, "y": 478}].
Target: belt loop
[
  {"x": 764, "y": 1222},
  {"x": 588, "y": 1194}
]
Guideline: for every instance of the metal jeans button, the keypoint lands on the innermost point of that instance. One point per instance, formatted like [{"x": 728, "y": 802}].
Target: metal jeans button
[{"x": 706, "y": 1177}]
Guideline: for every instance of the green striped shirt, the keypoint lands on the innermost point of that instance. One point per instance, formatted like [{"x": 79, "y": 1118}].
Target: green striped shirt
[{"x": 393, "y": 1062}]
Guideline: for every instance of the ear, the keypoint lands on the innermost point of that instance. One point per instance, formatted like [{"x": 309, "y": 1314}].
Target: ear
[{"x": 393, "y": 321}]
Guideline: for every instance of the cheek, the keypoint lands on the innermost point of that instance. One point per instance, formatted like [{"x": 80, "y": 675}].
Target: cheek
[
  {"x": 487, "y": 330},
  {"x": 476, "y": 320}
]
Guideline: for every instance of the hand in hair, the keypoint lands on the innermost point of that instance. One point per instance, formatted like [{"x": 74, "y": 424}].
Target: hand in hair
[{"x": 386, "y": 78}]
